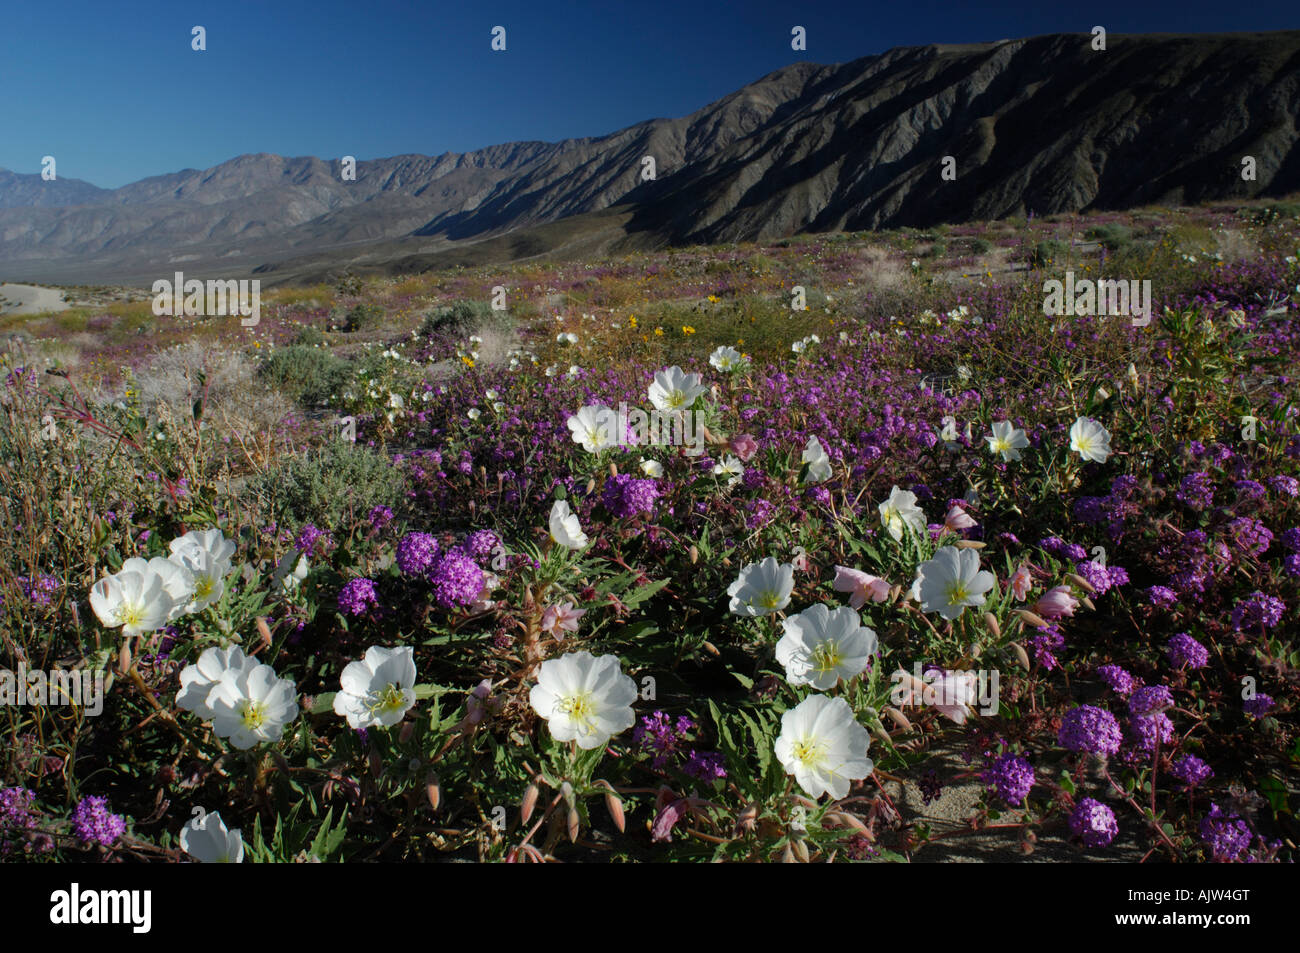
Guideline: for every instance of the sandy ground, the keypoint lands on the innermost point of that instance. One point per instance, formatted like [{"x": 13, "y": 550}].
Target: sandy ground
[{"x": 30, "y": 299}]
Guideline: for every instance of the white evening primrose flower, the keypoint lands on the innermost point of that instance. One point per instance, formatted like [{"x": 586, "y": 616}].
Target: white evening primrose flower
[
  {"x": 652, "y": 468},
  {"x": 900, "y": 511},
  {"x": 595, "y": 427},
  {"x": 1007, "y": 440},
  {"x": 574, "y": 370},
  {"x": 727, "y": 359},
  {"x": 820, "y": 647},
  {"x": 200, "y": 677},
  {"x": 584, "y": 698},
  {"x": 1090, "y": 440},
  {"x": 207, "y": 840},
  {"x": 763, "y": 588},
  {"x": 378, "y": 691},
  {"x": 819, "y": 464},
  {"x": 731, "y": 468},
  {"x": 288, "y": 573},
  {"x": 566, "y": 337},
  {"x": 953, "y": 580},
  {"x": 252, "y": 706},
  {"x": 673, "y": 389},
  {"x": 823, "y": 746},
  {"x": 139, "y": 598},
  {"x": 565, "y": 528},
  {"x": 490, "y": 394},
  {"x": 473, "y": 413},
  {"x": 206, "y": 555}
]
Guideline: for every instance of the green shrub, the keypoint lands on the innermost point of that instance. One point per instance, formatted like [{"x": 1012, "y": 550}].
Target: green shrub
[
  {"x": 309, "y": 336},
  {"x": 981, "y": 246},
  {"x": 362, "y": 317},
  {"x": 309, "y": 375},
  {"x": 462, "y": 318},
  {"x": 1111, "y": 237},
  {"x": 1051, "y": 250},
  {"x": 325, "y": 486}
]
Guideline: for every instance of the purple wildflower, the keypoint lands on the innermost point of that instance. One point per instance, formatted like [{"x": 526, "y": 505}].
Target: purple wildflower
[
  {"x": 1119, "y": 680},
  {"x": 94, "y": 823},
  {"x": 1226, "y": 835},
  {"x": 1090, "y": 729},
  {"x": 1185, "y": 650},
  {"x": 416, "y": 553},
  {"x": 358, "y": 596},
  {"x": 1191, "y": 770},
  {"x": 456, "y": 580},
  {"x": 1010, "y": 777},
  {"x": 1094, "y": 822}
]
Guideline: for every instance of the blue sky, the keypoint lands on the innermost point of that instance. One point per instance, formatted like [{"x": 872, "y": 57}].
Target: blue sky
[{"x": 113, "y": 91}]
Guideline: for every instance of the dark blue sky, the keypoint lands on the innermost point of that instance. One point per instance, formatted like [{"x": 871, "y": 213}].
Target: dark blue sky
[{"x": 113, "y": 91}]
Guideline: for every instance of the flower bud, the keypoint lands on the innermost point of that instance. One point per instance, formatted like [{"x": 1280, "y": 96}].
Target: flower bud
[
  {"x": 991, "y": 622},
  {"x": 528, "y": 803},
  {"x": 433, "y": 787},
  {"x": 574, "y": 822}
]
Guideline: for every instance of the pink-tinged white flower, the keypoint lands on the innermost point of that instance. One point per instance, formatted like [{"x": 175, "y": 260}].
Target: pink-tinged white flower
[
  {"x": 481, "y": 702},
  {"x": 252, "y": 706},
  {"x": 952, "y": 581},
  {"x": 763, "y": 588},
  {"x": 731, "y": 468},
  {"x": 744, "y": 446},
  {"x": 206, "y": 555},
  {"x": 565, "y": 528},
  {"x": 1021, "y": 580},
  {"x": 144, "y": 595},
  {"x": 1056, "y": 603},
  {"x": 491, "y": 583},
  {"x": 1090, "y": 440},
  {"x": 379, "y": 690},
  {"x": 820, "y": 647},
  {"x": 823, "y": 746},
  {"x": 584, "y": 698},
  {"x": 595, "y": 427},
  {"x": 952, "y": 693},
  {"x": 207, "y": 840},
  {"x": 860, "y": 586},
  {"x": 562, "y": 618},
  {"x": 673, "y": 389},
  {"x": 958, "y": 519},
  {"x": 899, "y": 512},
  {"x": 200, "y": 677},
  {"x": 819, "y": 463},
  {"x": 1007, "y": 440}
]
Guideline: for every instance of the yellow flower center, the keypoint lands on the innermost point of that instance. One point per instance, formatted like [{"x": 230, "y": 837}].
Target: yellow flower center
[
  {"x": 769, "y": 599},
  {"x": 203, "y": 586},
  {"x": 957, "y": 592},
  {"x": 390, "y": 698},
  {"x": 580, "y": 710},
  {"x": 129, "y": 615},
  {"x": 809, "y": 752},
  {"x": 827, "y": 656},
  {"x": 253, "y": 715}
]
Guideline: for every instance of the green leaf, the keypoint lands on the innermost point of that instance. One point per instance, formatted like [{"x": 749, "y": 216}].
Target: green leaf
[{"x": 323, "y": 703}]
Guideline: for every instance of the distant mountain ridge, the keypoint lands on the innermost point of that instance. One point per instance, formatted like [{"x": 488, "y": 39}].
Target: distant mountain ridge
[{"x": 1044, "y": 124}]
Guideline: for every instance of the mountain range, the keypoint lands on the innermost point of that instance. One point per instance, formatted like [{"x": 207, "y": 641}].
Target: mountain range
[{"x": 1044, "y": 124}]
